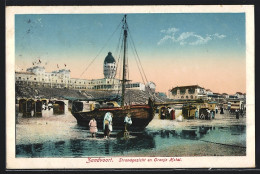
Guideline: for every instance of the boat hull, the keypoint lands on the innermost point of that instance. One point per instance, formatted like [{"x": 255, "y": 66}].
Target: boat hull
[{"x": 141, "y": 116}]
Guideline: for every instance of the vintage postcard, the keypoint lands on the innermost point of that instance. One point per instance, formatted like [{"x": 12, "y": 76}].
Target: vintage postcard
[{"x": 130, "y": 86}]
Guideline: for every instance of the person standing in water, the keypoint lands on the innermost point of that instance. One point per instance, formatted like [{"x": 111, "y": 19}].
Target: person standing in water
[
  {"x": 107, "y": 124},
  {"x": 127, "y": 121},
  {"x": 93, "y": 127}
]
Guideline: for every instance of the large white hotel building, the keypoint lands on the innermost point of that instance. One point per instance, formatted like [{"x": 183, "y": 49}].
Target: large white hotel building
[{"x": 37, "y": 76}]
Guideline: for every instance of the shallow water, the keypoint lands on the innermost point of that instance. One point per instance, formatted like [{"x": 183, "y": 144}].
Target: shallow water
[{"x": 60, "y": 136}]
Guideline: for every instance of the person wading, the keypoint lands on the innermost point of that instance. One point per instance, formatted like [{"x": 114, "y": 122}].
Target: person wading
[
  {"x": 128, "y": 121},
  {"x": 107, "y": 124},
  {"x": 93, "y": 127}
]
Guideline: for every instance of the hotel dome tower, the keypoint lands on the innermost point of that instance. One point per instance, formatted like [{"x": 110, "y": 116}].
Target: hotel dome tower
[{"x": 109, "y": 66}]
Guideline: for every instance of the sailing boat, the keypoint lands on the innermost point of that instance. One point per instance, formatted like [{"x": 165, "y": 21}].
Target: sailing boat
[{"x": 141, "y": 114}]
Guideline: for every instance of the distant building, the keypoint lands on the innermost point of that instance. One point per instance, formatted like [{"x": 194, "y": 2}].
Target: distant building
[
  {"x": 37, "y": 76},
  {"x": 215, "y": 97},
  {"x": 138, "y": 86},
  {"x": 209, "y": 92},
  {"x": 225, "y": 95},
  {"x": 232, "y": 97},
  {"x": 161, "y": 94},
  {"x": 187, "y": 92},
  {"x": 25, "y": 77},
  {"x": 240, "y": 95}
]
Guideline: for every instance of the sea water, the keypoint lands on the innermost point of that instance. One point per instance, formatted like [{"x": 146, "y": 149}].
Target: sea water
[{"x": 60, "y": 136}]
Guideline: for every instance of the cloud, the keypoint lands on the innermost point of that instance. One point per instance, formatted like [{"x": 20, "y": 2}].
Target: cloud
[
  {"x": 220, "y": 36},
  {"x": 170, "y": 30},
  {"x": 200, "y": 40},
  {"x": 187, "y": 38},
  {"x": 167, "y": 37}
]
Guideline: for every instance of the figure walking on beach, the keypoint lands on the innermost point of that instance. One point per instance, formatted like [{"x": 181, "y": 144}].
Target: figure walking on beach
[
  {"x": 93, "y": 127},
  {"x": 221, "y": 110},
  {"x": 216, "y": 108},
  {"x": 241, "y": 112},
  {"x": 208, "y": 114},
  {"x": 237, "y": 114},
  {"x": 163, "y": 113},
  {"x": 107, "y": 124},
  {"x": 212, "y": 114},
  {"x": 196, "y": 114}
]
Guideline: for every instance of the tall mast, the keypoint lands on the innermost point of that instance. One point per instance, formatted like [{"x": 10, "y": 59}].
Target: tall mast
[{"x": 124, "y": 69}]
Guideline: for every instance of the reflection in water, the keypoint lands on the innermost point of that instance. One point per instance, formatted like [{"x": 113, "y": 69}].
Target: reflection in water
[
  {"x": 203, "y": 131},
  {"x": 138, "y": 141},
  {"x": 59, "y": 147},
  {"x": 236, "y": 130},
  {"x": 189, "y": 134},
  {"x": 107, "y": 147},
  {"x": 25, "y": 149},
  {"x": 165, "y": 133},
  {"x": 38, "y": 147},
  {"x": 87, "y": 147},
  {"x": 76, "y": 146}
]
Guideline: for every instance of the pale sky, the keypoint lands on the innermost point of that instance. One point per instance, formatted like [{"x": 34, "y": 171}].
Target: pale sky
[{"x": 175, "y": 49}]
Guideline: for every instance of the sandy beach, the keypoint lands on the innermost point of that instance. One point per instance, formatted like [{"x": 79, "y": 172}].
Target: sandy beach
[
  {"x": 199, "y": 149},
  {"x": 58, "y": 128}
]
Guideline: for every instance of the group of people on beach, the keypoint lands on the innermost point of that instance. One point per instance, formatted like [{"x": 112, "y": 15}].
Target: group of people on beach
[
  {"x": 107, "y": 124},
  {"x": 239, "y": 112}
]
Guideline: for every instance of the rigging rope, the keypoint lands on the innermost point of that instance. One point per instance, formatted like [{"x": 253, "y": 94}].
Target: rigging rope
[
  {"x": 120, "y": 62},
  {"x": 138, "y": 61},
  {"x": 137, "y": 54},
  {"x": 142, "y": 69},
  {"x": 138, "y": 65},
  {"x": 101, "y": 50},
  {"x": 127, "y": 70},
  {"x": 118, "y": 50},
  {"x": 117, "y": 54}
]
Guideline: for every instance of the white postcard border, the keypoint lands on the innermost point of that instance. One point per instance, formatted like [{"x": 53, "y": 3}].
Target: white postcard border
[{"x": 76, "y": 163}]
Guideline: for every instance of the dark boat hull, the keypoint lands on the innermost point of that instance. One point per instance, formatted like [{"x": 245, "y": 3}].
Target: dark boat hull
[{"x": 141, "y": 116}]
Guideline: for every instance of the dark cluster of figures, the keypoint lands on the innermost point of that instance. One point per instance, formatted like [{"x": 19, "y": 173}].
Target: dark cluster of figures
[
  {"x": 210, "y": 114},
  {"x": 167, "y": 113},
  {"x": 239, "y": 112},
  {"x": 107, "y": 125}
]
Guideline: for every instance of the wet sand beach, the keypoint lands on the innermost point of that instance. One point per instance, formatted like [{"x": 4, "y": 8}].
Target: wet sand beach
[
  {"x": 199, "y": 149},
  {"x": 60, "y": 136}
]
